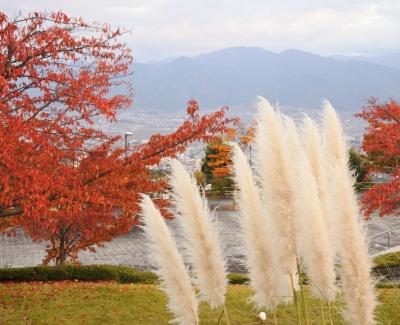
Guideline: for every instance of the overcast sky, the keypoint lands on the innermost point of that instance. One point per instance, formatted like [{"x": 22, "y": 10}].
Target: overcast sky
[{"x": 164, "y": 29}]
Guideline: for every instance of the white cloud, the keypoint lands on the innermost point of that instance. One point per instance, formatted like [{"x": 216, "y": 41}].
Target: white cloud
[{"x": 186, "y": 27}]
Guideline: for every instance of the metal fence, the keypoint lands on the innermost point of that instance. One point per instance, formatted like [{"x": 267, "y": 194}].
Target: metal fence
[{"x": 387, "y": 234}]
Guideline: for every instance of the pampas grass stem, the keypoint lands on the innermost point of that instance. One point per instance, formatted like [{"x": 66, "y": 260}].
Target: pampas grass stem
[
  {"x": 358, "y": 286},
  {"x": 332, "y": 311},
  {"x": 303, "y": 298},
  {"x": 313, "y": 241},
  {"x": 263, "y": 265},
  {"x": 228, "y": 322},
  {"x": 174, "y": 277},
  {"x": 220, "y": 317},
  {"x": 296, "y": 303},
  {"x": 277, "y": 180},
  {"x": 313, "y": 148},
  {"x": 322, "y": 311},
  {"x": 204, "y": 245}
]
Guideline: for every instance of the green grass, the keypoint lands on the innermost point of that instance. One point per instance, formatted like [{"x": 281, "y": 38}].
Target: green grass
[{"x": 112, "y": 303}]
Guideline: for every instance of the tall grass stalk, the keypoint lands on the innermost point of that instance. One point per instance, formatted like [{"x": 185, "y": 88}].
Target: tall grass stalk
[
  {"x": 313, "y": 241},
  {"x": 172, "y": 272},
  {"x": 295, "y": 299},
  {"x": 332, "y": 311},
  {"x": 322, "y": 312},
  {"x": 357, "y": 283},
  {"x": 265, "y": 270},
  {"x": 277, "y": 181},
  {"x": 204, "y": 247},
  {"x": 312, "y": 141},
  {"x": 302, "y": 291}
]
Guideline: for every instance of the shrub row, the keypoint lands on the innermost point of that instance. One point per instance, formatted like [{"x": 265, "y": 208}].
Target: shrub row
[
  {"x": 387, "y": 260},
  {"x": 237, "y": 278},
  {"x": 120, "y": 274},
  {"x": 123, "y": 274}
]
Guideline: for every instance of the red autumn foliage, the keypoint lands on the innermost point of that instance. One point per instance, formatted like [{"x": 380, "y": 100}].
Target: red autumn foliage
[
  {"x": 381, "y": 143},
  {"x": 63, "y": 180}
]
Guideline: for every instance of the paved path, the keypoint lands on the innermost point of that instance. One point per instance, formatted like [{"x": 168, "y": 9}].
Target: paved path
[
  {"x": 131, "y": 249},
  {"x": 395, "y": 249}
]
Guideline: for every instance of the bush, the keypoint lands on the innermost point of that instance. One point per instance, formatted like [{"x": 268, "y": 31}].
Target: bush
[
  {"x": 120, "y": 274},
  {"x": 387, "y": 260},
  {"x": 237, "y": 278},
  {"x": 123, "y": 274},
  {"x": 388, "y": 285}
]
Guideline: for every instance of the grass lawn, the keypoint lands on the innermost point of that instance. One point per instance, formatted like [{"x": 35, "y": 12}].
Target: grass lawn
[{"x": 111, "y": 303}]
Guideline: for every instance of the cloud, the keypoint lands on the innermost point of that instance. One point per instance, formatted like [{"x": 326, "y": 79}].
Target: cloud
[{"x": 162, "y": 29}]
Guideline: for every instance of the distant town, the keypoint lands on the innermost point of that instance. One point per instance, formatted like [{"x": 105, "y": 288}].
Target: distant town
[{"x": 140, "y": 124}]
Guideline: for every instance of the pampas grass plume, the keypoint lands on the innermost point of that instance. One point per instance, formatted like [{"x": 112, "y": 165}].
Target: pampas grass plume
[
  {"x": 313, "y": 240},
  {"x": 204, "y": 247},
  {"x": 358, "y": 286},
  {"x": 174, "y": 277},
  {"x": 277, "y": 180},
  {"x": 313, "y": 149},
  {"x": 312, "y": 141},
  {"x": 265, "y": 272}
]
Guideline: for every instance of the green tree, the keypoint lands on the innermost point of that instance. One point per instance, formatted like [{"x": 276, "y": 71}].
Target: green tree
[{"x": 357, "y": 162}]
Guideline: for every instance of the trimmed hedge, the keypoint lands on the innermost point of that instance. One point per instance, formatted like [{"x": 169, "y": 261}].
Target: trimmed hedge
[
  {"x": 388, "y": 285},
  {"x": 387, "y": 260},
  {"x": 237, "y": 278},
  {"x": 120, "y": 274},
  {"x": 123, "y": 274}
]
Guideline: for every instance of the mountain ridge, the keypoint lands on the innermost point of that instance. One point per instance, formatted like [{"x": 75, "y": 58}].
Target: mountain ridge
[{"x": 234, "y": 76}]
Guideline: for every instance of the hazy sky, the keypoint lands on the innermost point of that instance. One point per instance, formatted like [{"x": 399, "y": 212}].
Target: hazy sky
[{"x": 163, "y": 29}]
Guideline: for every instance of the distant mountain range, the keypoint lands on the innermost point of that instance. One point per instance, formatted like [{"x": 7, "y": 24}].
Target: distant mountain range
[
  {"x": 387, "y": 60},
  {"x": 294, "y": 78}
]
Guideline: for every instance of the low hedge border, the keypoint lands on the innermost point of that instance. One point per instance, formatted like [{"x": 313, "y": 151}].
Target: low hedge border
[
  {"x": 387, "y": 260},
  {"x": 237, "y": 278},
  {"x": 120, "y": 274}
]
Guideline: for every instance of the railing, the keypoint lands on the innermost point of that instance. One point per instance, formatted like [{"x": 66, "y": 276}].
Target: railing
[{"x": 386, "y": 232}]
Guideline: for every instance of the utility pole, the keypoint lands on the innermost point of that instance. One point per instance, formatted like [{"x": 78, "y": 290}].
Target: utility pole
[
  {"x": 250, "y": 156},
  {"x": 127, "y": 134}
]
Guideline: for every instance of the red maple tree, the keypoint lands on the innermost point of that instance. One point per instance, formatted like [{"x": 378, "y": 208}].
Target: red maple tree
[
  {"x": 381, "y": 143},
  {"x": 62, "y": 179}
]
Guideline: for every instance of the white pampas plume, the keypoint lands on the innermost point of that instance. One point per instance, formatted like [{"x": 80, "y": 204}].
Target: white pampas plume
[
  {"x": 204, "y": 248},
  {"x": 265, "y": 272},
  {"x": 314, "y": 150},
  {"x": 358, "y": 286},
  {"x": 174, "y": 277},
  {"x": 313, "y": 241},
  {"x": 277, "y": 179}
]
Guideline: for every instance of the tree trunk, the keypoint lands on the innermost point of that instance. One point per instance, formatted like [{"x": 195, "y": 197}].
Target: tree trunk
[{"x": 62, "y": 254}]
